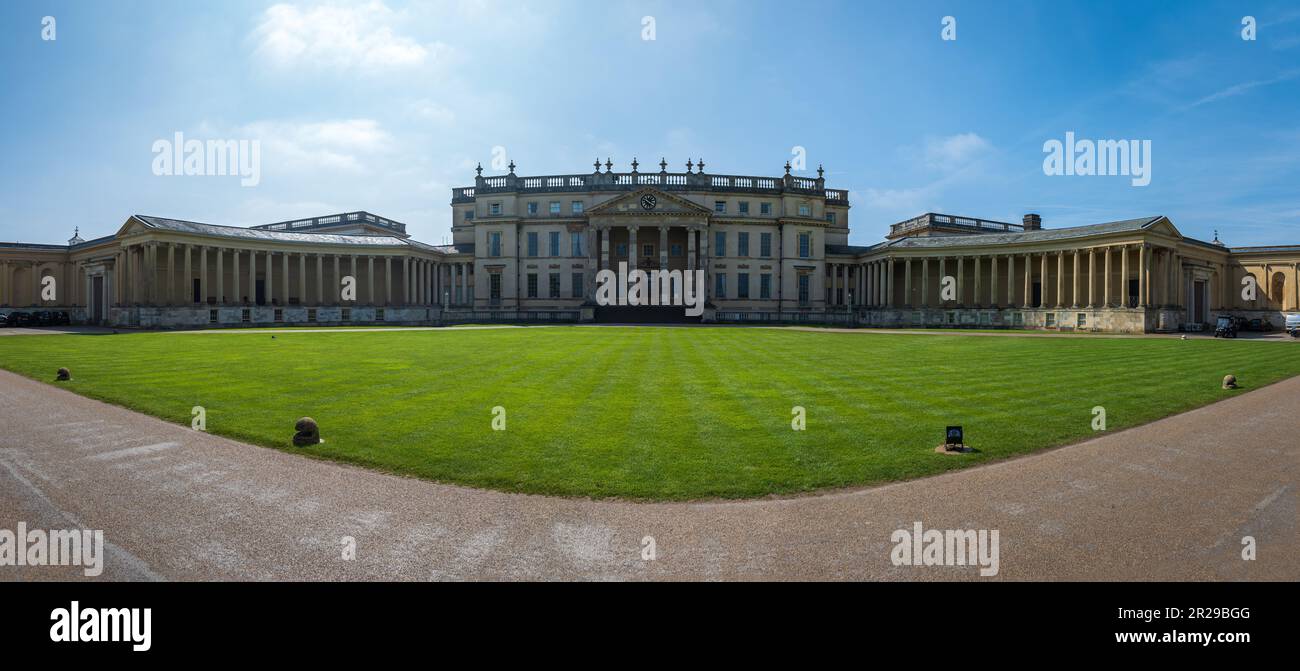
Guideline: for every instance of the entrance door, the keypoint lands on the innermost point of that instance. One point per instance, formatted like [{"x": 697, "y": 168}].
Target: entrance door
[
  {"x": 97, "y": 300},
  {"x": 1198, "y": 302},
  {"x": 261, "y": 292}
]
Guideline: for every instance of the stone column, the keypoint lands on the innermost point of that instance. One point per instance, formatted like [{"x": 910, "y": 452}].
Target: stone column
[
  {"x": 907, "y": 283},
  {"x": 993, "y": 281},
  {"x": 704, "y": 261},
  {"x": 1042, "y": 283},
  {"x": 171, "y": 274},
  {"x": 221, "y": 277},
  {"x": 1092, "y": 277},
  {"x": 284, "y": 278},
  {"x": 961, "y": 283},
  {"x": 234, "y": 275},
  {"x": 1011, "y": 280},
  {"x": 975, "y": 285},
  {"x": 663, "y": 247},
  {"x": 925, "y": 282},
  {"x": 388, "y": 280},
  {"x": 632, "y": 251},
  {"x": 370, "y": 277},
  {"x": 1105, "y": 285},
  {"x": 320, "y": 279},
  {"x": 187, "y": 283},
  {"x": 269, "y": 283},
  {"x": 464, "y": 275},
  {"x": 889, "y": 282},
  {"x": 604, "y": 247},
  {"x": 1060, "y": 278},
  {"x": 588, "y": 277},
  {"x": 1074, "y": 288},
  {"x": 303, "y": 300},
  {"x": 1123, "y": 282},
  {"x": 203, "y": 275},
  {"x": 1143, "y": 260}
]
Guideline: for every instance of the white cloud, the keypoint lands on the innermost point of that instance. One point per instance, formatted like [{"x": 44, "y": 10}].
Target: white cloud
[
  {"x": 427, "y": 110},
  {"x": 954, "y": 151},
  {"x": 310, "y": 146},
  {"x": 337, "y": 37}
]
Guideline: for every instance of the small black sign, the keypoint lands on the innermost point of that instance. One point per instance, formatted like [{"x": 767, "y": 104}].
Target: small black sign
[
  {"x": 648, "y": 201},
  {"x": 954, "y": 436}
]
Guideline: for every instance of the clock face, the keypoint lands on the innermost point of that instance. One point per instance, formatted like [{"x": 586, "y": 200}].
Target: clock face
[{"x": 648, "y": 201}]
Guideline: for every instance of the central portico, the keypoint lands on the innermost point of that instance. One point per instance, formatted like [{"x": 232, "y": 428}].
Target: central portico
[{"x": 648, "y": 229}]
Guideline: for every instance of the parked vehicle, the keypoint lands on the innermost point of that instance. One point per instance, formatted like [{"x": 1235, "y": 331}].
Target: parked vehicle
[
  {"x": 1293, "y": 324},
  {"x": 4, "y": 320},
  {"x": 42, "y": 318},
  {"x": 1225, "y": 327},
  {"x": 20, "y": 319},
  {"x": 62, "y": 318}
]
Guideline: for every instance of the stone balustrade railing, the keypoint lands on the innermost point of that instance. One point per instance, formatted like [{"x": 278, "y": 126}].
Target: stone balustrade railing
[
  {"x": 668, "y": 181},
  {"x": 317, "y": 222},
  {"x": 931, "y": 219}
]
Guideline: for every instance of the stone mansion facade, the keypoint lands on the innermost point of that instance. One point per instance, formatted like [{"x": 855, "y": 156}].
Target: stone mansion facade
[{"x": 772, "y": 249}]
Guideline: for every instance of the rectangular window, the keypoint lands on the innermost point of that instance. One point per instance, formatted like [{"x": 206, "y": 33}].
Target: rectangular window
[
  {"x": 245, "y": 316},
  {"x": 532, "y": 243},
  {"x": 803, "y": 289},
  {"x": 555, "y": 285},
  {"x": 620, "y": 250},
  {"x": 720, "y": 285},
  {"x": 494, "y": 287},
  {"x": 311, "y": 314},
  {"x": 532, "y": 285},
  {"x": 765, "y": 208},
  {"x": 469, "y": 215},
  {"x": 1051, "y": 319},
  {"x": 720, "y": 244},
  {"x": 495, "y": 209},
  {"x": 830, "y": 217},
  {"x": 494, "y": 243},
  {"x": 345, "y": 314},
  {"x": 805, "y": 245},
  {"x": 576, "y": 207},
  {"x": 744, "y": 207},
  {"x": 742, "y": 285},
  {"x": 575, "y": 243},
  {"x": 765, "y": 285},
  {"x": 648, "y": 250},
  {"x": 554, "y": 239},
  {"x": 532, "y": 207},
  {"x": 742, "y": 244},
  {"x": 555, "y": 207},
  {"x": 578, "y": 289},
  {"x": 674, "y": 250},
  {"x": 720, "y": 206},
  {"x": 1082, "y": 320},
  {"x": 805, "y": 211},
  {"x": 278, "y": 315},
  {"x": 379, "y": 314},
  {"x": 212, "y": 316},
  {"x": 765, "y": 245}
]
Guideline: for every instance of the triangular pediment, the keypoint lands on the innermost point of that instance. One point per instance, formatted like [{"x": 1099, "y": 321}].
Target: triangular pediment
[
  {"x": 649, "y": 201},
  {"x": 1163, "y": 225}
]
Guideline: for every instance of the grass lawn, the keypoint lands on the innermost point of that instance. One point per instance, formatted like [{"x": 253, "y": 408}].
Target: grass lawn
[{"x": 651, "y": 413}]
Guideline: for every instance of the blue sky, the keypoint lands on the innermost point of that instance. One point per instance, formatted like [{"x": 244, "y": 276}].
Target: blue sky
[{"x": 386, "y": 106}]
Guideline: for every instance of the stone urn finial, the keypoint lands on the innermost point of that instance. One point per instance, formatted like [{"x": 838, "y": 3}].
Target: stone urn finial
[
  {"x": 663, "y": 165},
  {"x": 479, "y": 170},
  {"x": 634, "y": 164},
  {"x": 609, "y": 165},
  {"x": 787, "y": 167},
  {"x": 690, "y": 165}
]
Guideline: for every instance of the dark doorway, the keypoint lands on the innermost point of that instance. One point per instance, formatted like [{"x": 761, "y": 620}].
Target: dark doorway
[
  {"x": 1198, "y": 302},
  {"x": 1132, "y": 294},
  {"x": 97, "y": 296},
  {"x": 196, "y": 288},
  {"x": 1038, "y": 294},
  {"x": 261, "y": 292}
]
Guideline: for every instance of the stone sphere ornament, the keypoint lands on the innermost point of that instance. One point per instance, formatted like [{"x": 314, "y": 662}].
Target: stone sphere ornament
[
  {"x": 1229, "y": 381},
  {"x": 307, "y": 432},
  {"x": 64, "y": 375}
]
